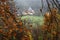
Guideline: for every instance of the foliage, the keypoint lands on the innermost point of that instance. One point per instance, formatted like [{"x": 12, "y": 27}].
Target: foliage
[
  {"x": 51, "y": 25},
  {"x": 16, "y": 28}
]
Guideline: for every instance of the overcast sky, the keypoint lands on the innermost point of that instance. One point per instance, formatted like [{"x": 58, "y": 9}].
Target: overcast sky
[
  {"x": 29, "y": 3},
  {"x": 34, "y": 4}
]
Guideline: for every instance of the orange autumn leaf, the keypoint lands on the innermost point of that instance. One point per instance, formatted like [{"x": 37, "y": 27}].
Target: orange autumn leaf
[
  {"x": 44, "y": 27},
  {"x": 47, "y": 16},
  {"x": 1, "y": 30},
  {"x": 24, "y": 28},
  {"x": 10, "y": 30},
  {"x": 3, "y": 0},
  {"x": 54, "y": 32},
  {"x": 21, "y": 29},
  {"x": 6, "y": 27},
  {"x": 14, "y": 24},
  {"x": 14, "y": 34},
  {"x": 21, "y": 23},
  {"x": 16, "y": 28}
]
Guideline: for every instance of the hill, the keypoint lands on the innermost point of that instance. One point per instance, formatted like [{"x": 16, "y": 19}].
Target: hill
[{"x": 33, "y": 19}]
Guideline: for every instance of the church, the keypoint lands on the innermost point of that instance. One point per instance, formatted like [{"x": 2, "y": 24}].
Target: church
[{"x": 30, "y": 11}]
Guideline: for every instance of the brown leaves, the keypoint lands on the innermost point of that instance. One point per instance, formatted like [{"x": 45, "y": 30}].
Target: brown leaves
[
  {"x": 20, "y": 23},
  {"x": 44, "y": 27},
  {"x": 3, "y": 0},
  {"x": 1, "y": 30},
  {"x": 51, "y": 23},
  {"x": 54, "y": 11},
  {"x": 8, "y": 7},
  {"x": 21, "y": 29},
  {"x": 31, "y": 25},
  {"x": 54, "y": 32},
  {"x": 47, "y": 15}
]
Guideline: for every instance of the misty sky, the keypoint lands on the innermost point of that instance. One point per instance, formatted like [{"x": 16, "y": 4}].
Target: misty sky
[
  {"x": 29, "y": 3},
  {"x": 34, "y": 4}
]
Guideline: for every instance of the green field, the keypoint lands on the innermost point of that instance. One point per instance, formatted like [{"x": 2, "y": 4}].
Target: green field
[{"x": 34, "y": 19}]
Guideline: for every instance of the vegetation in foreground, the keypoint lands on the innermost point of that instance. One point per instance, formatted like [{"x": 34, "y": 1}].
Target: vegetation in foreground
[{"x": 12, "y": 28}]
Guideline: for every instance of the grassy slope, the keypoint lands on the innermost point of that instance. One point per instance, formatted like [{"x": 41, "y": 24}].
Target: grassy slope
[{"x": 34, "y": 19}]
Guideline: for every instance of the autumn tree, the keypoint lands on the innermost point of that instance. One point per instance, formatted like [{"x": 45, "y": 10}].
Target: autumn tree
[{"x": 51, "y": 25}]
